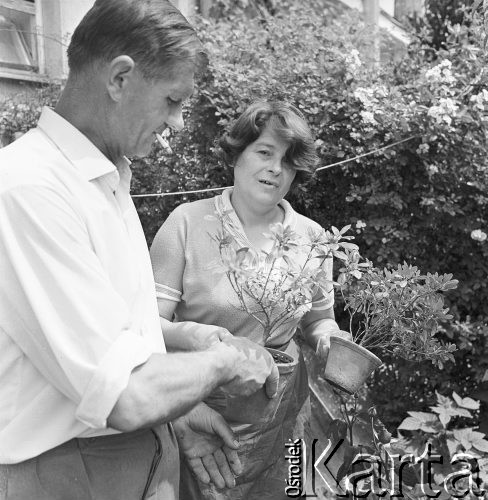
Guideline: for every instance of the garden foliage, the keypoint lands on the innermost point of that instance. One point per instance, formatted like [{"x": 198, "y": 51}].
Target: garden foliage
[
  {"x": 418, "y": 201},
  {"x": 436, "y": 454}
]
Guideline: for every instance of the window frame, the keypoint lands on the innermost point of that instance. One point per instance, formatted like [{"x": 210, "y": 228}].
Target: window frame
[{"x": 37, "y": 72}]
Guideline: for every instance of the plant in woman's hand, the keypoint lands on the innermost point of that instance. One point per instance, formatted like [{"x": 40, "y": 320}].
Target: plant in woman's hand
[
  {"x": 278, "y": 286},
  {"x": 397, "y": 311}
]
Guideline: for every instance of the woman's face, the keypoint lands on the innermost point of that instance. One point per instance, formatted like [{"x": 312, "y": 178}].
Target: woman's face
[{"x": 261, "y": 175}]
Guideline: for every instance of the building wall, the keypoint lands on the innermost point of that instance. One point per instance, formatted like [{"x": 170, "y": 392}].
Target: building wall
[
  {"x": 59, "y": 18},
  {"x": 71, "y": 13},
  {"x": 187, "y": 7}
]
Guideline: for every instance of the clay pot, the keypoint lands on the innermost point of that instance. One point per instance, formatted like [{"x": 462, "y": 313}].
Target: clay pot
[
  {"x": 349, "y": 365},
  {"x": 256, "y": 408}
]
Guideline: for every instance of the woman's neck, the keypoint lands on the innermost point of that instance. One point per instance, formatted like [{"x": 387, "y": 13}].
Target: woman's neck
[{"x": 255, "y": 217}]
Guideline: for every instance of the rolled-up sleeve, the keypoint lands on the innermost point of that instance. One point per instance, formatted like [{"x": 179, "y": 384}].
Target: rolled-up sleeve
[
  {"x": 168, "y": 257},
  {"x": 58, "y": 305}
]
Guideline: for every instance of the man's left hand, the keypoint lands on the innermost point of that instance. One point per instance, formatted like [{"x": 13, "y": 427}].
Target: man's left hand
[{"x": 208, "y": 444}]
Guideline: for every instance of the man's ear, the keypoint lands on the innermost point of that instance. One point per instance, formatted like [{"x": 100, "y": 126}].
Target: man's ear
[{"x": 120, "y": 72}]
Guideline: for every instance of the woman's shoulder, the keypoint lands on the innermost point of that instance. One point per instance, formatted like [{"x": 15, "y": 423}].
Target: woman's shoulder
[
  {"x": 303, "y": 224},
  {"x": 184, "y": 220},
  {"x": 192, "y": 209}
]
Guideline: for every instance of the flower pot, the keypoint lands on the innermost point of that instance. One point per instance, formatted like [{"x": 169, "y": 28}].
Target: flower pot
[
  {"x": 349, "y": 365},
  {"x": 256, "y": 408}
]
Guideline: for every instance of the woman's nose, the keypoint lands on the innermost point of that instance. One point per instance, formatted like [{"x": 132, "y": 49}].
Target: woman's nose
[{"x": 275, "y": 167}]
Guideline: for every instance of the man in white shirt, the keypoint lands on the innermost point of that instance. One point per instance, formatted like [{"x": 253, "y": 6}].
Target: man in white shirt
[{"x": 87, "y": 390}]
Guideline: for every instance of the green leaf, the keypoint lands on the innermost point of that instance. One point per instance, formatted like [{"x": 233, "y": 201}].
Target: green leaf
[
  {"x": 481, "y": 445},
  {"x": 339, "y": 254},
  {"x": 337, "y": 430},
  {"x": 349, "y": 246},
  {"x": 349, "y": 454},
  {"x": 445, "y": 418},
  {"x": 410, "y": 424},
  {"x": 423, "y": 416},
  {"x": 468, "y": 403}
]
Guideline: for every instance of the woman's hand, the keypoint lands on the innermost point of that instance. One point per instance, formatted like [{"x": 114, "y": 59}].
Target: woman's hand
[
  {"x": 201, "y": 337},
  {"x": 191, "y": 336},
  {"x": 323, "y": 343}
]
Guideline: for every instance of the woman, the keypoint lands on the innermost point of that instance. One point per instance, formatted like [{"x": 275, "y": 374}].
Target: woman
[{"x": 271, "y": 149}]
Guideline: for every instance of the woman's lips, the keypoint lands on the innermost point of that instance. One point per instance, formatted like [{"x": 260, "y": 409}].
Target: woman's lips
[{"x": 269, "y": 183}]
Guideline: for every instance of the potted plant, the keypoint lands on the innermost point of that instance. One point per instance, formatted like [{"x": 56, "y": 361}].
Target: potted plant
[
  {"x": 395, "y": 311},
  {"x": 276, "y": 288}
]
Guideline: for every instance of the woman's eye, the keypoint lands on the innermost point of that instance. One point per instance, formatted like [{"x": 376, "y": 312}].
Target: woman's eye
[
  {"x": 173, "y": 102},
  {"x": 264, "y": 152}
]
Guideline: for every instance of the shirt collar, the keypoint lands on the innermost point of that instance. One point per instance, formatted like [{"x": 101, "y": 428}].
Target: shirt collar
[
  {"x": 226, "y": 205},
  {"x": 79, "y": 150}
]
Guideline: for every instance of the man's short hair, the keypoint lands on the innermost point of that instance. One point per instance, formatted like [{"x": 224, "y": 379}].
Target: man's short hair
[
  {"x": 153, "y": 32},
  {"x": 283, "y": 119}
]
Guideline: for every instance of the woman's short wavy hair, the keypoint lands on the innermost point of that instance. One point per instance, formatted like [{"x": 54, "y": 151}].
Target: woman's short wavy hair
[
  {"x": 283, "y": 119},
  {"x": 153, "y": 32}
]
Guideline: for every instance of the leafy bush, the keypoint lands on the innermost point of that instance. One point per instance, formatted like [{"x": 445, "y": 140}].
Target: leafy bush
[{"x": 19, "y": 114}]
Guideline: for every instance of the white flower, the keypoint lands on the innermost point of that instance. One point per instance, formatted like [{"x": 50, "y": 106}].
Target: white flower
[
  {"x": 433, "y": 169},
  {"x": 480, "y": 99},
  {"x": 366, "y": 96},
  {"x": 353, "y": 59},
  {"x": 360, "y": 224},
  {"x": 423, "y": 148},
  {"x": 441, "y": 73},
  {"x": 353, "y": 62},
  {"x": 478, "y": 235},
  {"x": 444, "y": 111},
  {"x": 381, "y": 91},
  {"x": 433, "y": 74},
  {"x": 368, "y": 117}
]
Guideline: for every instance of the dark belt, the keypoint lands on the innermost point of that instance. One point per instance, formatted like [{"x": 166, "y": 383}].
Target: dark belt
[{"x": 158, "y": 453}]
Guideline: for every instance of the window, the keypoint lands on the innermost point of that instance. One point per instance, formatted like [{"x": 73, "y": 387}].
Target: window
[{"x": 19, "y": 47}]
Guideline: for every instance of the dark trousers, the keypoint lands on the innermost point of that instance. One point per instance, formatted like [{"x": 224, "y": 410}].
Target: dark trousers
[{"x": 131, "y": 466}]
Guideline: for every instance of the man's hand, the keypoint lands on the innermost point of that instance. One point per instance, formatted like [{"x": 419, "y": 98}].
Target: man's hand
[
  {"x": 208, "y": 444},
  {"x": 253, "y": 368}
]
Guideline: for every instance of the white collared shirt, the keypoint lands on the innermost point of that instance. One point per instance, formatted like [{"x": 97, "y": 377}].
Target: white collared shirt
[{"x": 78, "y": 309}]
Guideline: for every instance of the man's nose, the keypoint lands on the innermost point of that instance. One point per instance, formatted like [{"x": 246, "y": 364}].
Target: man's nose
[{"x": 175, "y": 121}]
